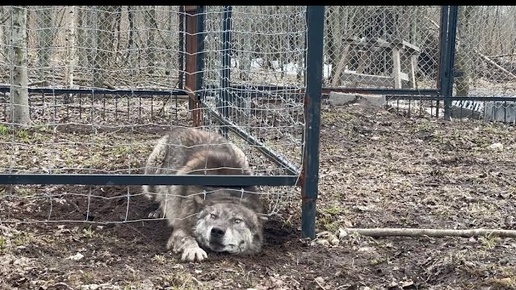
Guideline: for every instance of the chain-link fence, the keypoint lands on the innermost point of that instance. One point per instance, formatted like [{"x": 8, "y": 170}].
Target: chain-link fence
[
  {"x": 391, "y": 47},
  {"x": 381, "y": 46},
  {"x": 485, "y": 63}
]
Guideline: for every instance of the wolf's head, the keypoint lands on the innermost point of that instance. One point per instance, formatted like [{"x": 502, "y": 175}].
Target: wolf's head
[
  {"x": 229, "y": 226},
  {"x": 229, "y": 220}
]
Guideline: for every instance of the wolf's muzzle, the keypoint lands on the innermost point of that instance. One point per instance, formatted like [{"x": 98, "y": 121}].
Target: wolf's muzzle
[{"x": 217, "y": 233}]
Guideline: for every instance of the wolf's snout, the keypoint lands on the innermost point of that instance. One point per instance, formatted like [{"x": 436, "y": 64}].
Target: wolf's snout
[{"x": 217, "y": 232}]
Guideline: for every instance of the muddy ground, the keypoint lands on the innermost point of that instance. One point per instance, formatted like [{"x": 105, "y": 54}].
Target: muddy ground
[{"x": 378, "y": 169}]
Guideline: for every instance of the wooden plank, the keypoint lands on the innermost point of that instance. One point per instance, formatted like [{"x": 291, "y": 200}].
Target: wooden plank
[
  {"x": 412, "y": 72},
  {"x": 362, "y": 64},
  {"x": 487, "y": 59},
  {"x": 413, "y": 49},
  {"x": 359, "y": 78},
  {"x": 396, "y": 68},
  {"x": 191, "y": 63}
]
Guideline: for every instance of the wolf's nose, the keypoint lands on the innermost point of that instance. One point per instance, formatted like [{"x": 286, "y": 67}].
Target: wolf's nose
[{"x": 217, "y": 232}]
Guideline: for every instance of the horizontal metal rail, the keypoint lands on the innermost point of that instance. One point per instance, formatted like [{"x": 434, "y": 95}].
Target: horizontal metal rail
[
  {"x": 99, "y": 91},
  {"x": 375, "y": 91},
  {"x": 256, "y": 90},
  {"x": 150, "y": 179},
  {"x": 455, "y": 98}
]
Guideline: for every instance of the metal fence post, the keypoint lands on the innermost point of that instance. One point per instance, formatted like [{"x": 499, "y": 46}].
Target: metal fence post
[
  {"x": 223, "y": 97},
  {"x": 443, "y": 33},
  {"x": 448, "y": 39},
  {"x": 314, "y": 67}
]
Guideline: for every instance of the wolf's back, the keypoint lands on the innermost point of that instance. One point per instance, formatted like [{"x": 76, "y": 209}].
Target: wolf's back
[{"x": 194, "y": 151}]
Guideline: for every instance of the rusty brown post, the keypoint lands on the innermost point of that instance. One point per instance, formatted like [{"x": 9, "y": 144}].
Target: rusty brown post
[{"x": 191, "y": 63}]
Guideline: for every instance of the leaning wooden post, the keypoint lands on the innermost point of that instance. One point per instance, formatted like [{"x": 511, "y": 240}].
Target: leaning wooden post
[{"x": 191, "y": 65}]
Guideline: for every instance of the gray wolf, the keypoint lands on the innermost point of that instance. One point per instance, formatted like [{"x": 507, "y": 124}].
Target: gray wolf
[{"x": 220, "y": 219}]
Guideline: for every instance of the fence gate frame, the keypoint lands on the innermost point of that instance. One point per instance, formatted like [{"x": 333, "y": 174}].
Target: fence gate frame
[
  {"x": 307, "y": 178},
  {"x": 191, "y": 38},
  {"x": 191, "y": 64}
]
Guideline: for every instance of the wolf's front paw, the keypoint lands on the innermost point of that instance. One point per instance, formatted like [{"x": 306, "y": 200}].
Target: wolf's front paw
[{"x": 193, "y": 253}]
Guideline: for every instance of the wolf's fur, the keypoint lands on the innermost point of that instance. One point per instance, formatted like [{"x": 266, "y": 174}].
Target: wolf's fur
[{"x": 219, "y": 219}]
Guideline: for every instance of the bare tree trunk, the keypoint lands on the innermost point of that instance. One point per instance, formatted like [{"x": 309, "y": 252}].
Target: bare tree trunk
[
  {"x": 82, "y": 36},
  {"x": 464, "y": 51},
  {"x": 299, "y": 41},
  {"x": 19, "y": 91},
  {"x": 150, "y": 24},
  {"x": 245, "y": 56},
  {"x": 130, "y": 40},
  {"x": 45, "y": 39},
  {"x": 266, "y": 49},
  {"x": 331, "y": 50},
  {"x": 3, "y": 43},
  {"x": 415, "y": 27},
  {"x": 106, "y": 23},
  {"x": 70, "y": 48},
  {"x": 338, "y": 52},
  {"x": 171, "y": 56},
  {"x": 118, "y": 31}
]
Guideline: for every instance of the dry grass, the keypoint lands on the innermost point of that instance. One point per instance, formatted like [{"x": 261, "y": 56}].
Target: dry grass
[{"x": 377, "y": 170}]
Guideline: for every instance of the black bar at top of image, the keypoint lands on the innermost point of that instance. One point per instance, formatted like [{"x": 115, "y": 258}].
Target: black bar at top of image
[{"x": 150, "y": 179}]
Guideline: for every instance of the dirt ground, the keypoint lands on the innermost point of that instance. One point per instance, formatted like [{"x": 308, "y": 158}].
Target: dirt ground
[{"x": 377, "y": 169}]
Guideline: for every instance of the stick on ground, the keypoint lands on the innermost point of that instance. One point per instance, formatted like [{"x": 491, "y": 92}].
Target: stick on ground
[{"x": 382, "y": 232}]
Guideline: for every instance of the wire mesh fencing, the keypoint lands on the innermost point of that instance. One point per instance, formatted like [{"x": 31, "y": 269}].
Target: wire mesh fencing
[
  {"x": 391, "y": 47},
  {"x": 90, "y": 48},
  {"x": 485, "y": 63},
  {"x": 112, "y": 47},
  {"x": 381, "y": 46},
  {"x": 104, "y": 83},
  {"x": 253, "y": 78}
]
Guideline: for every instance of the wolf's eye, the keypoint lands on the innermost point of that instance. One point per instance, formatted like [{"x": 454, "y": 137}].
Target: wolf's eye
[
  {"x": 213, "y": 216},
  {"x": 237, "y": 221}
]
